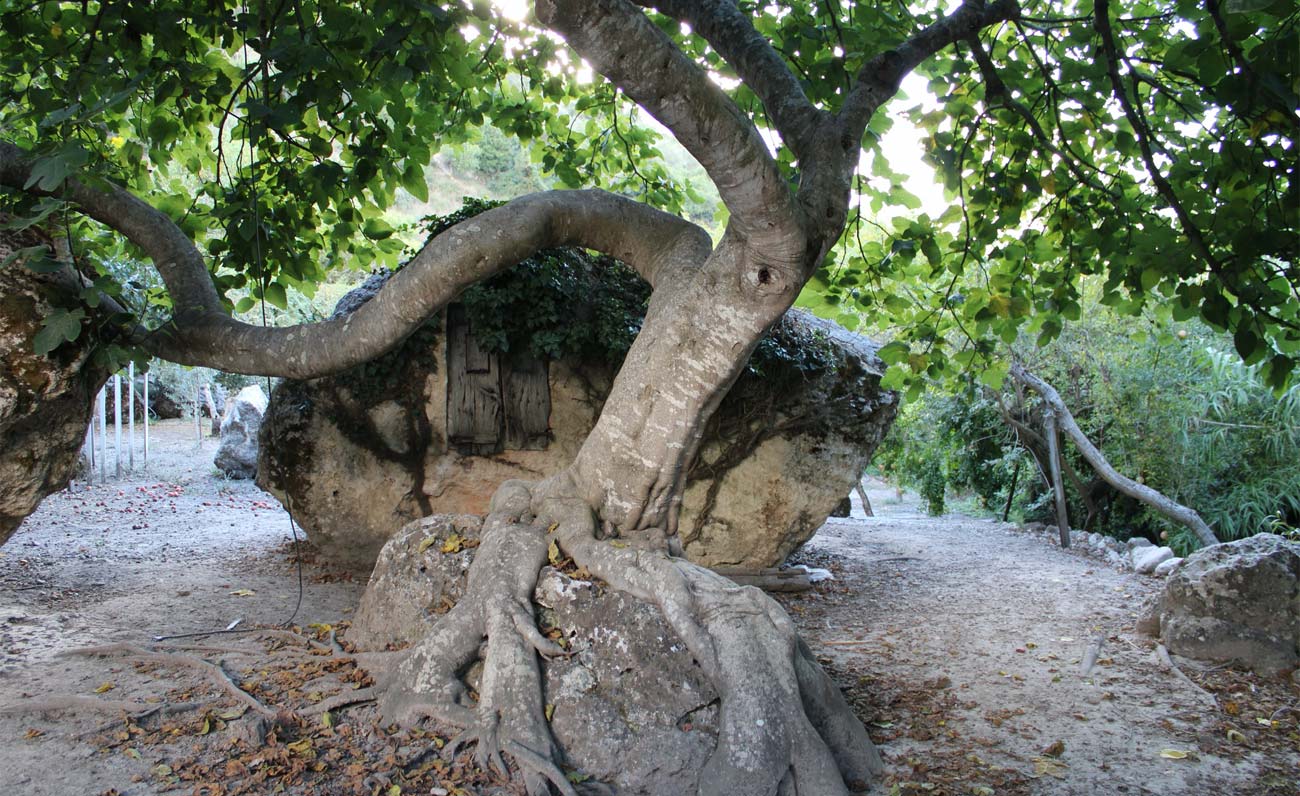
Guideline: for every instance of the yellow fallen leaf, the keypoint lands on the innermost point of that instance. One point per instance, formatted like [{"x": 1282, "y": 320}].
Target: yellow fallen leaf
[
  {"x": 551, "y": 528},
  {"x": 327, "y": 719},
  {"x": 553, "y": 553},
  {"x": 33, "y": 733},
  {"x": 1175, "y": 754},
  {"x": 1047, "y": 766},
  {"x": 300, "y": 747},
  {"x": 1236, "y": 737},
  {"x": 550, "y": 711},
  {"x": 243, "y": 593},
  {"x": 426, "y": 543},
  {"x": 207, "y": 726},
  {"x": 453, "y": 544},
  {"x": 619, "y": 545},
  {"x": 1263, "y": 722},
  {"x": 106, "y": 687}
]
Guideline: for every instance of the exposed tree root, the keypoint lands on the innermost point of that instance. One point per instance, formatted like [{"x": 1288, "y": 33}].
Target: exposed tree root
[
  {"x": 784, "y": 727},
  {"x": 215, "y": 673},
  {"x": 497, "y": 606},
  {"x": 55, "y": 704}
]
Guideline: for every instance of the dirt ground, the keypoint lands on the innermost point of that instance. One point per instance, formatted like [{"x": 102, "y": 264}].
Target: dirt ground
[{"x": 961, "y": 642}]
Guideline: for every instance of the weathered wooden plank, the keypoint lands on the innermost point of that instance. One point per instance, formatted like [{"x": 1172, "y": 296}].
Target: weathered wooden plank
[
  {"x": 474, "y": 407},
  {"x": 526, "y": 394}
]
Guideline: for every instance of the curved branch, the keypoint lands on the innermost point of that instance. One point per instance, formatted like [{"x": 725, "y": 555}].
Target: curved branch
[
  {"x": 1171, "y": 509},
  {"x": 757, "y": 63},
  {"x": 658, "y": 245},
  {"x": 173, "y": 253},
  {"x": 879, "y": 78},
  {"x": 622, "y": 44}
]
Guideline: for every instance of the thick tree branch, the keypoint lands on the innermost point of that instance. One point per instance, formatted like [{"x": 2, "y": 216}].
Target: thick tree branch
[
  {"x": 622, "y": 44},
  {"x": 879, "y": 78},
  {"x": 657, "y": 244},
  {"x": 761, "y": 68},
  {"x": 173, "y": 253},
  {"x": 1171, "y": 509}
]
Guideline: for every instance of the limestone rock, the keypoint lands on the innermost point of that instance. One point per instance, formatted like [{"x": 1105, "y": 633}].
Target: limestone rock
[
  {"x": 1238, "y": 601},
  {"x": 1138, "y": 541},
  {"x": 632, "y": 709},
  {"x": 237, "y": 454},
  {"x": 1166, "y": 567},
  {"x": 45, "y": 399},
  {"x": 358, "y": 455},
  {"x": 1146, "y": 559},
  {"x": 419, "y": 575}
]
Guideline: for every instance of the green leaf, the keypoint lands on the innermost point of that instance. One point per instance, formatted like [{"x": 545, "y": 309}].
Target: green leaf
[
  {"x": 59, "y": 327},
  {"x": 276, "y": 296}
]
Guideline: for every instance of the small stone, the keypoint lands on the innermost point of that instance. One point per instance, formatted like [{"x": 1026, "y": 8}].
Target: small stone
[
  {"x": 1146, "y": 559},
  {"x": 1138, "y": 541},
  {"x": 1165, "y": 567}
]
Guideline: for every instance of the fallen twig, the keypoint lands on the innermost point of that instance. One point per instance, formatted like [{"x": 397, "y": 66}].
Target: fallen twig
[
  {"x": 1090, "y": 656},
  {"x": 1162, "y": 656},
  {"x": 215, "y": 673}
]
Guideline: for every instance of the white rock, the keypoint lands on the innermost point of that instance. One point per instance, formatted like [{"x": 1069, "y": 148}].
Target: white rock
[
  {"x": 1138, "y": 541},
  {"x": 1167, "y": 566},
  {"x": 816, "y": 575},
  {"x": 1145, "y": 559}
]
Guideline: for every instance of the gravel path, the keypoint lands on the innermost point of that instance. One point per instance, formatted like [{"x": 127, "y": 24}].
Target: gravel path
[{"x": 960, "y": 641}]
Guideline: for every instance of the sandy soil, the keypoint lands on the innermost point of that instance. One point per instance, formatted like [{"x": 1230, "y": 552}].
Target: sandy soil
[{"x": 961, "y": 643}]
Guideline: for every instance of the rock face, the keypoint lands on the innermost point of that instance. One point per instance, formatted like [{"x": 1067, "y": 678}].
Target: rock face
[
  {"x": 360, "y": 454},
  {"x": 237, "y": 454},
  {"x": 45, "y": 400},
  {"x": 632, "y": 709},
  {"x": 1235, "y": 602}
]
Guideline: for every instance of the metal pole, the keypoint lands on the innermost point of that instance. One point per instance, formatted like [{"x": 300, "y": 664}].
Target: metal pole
[
  {"x": 117, "y": 424},
  {"x": 130, "y": 414},
  {"x": 89, "y": 447},
  {"x": 146, "y": 418},
  {"x": 103, "y": 435}
]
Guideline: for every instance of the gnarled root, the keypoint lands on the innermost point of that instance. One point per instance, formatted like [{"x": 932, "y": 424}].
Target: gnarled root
[
  {"x": 497, "y": 606},
  {"x": 784, "y": 727}
]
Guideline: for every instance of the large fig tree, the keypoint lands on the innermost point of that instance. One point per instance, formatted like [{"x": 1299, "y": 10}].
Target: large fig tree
[{"x": 247, "y": 148}]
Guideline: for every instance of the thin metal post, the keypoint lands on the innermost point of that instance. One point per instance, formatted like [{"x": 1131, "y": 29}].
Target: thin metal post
[
  {"x": 117, "y": 424},
  {"x": 103, "y": 435},
  {"x": 130, "y": 414},
  {"x": 89, "y": 447},
  {"x": 146, "y": 418}
]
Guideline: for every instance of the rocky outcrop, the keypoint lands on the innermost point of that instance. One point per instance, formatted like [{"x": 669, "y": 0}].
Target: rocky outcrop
[
  {"x": 45, "y": 399},
  {"x": 237, "y": 454},
  {"x": 1237, "y": 602},
  {"x": 358, "y": 455},
  {"x": 630, "y": 708}
]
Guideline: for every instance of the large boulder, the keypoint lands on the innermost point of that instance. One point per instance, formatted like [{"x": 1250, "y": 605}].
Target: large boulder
[
  {"x": 45, "y": 399},
  {"x": 358, "y": 455},
  {"x": 631, "y": 708},
  {"x": 237, "y": 454},
  {"x": 1237, "y": 602}
]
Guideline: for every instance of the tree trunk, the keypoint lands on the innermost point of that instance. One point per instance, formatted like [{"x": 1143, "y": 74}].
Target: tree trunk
[
  {"x": 866, "y": 502},
  {"x": 1171, "y": 509},
  {"x": 1011, "y": 491},
  {"x": 45, "y": 399},
  {"x": 614, "y": 512},
  {"x": 1058, "y": 487}
]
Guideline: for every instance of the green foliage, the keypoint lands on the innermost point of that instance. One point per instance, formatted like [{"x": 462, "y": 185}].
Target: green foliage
[
  {"x": 1036, "y": 207},
  {"x": 933, "y": 486},
  {"x": 558, "y": 303},
  {"x": 1173, "y": 408}
]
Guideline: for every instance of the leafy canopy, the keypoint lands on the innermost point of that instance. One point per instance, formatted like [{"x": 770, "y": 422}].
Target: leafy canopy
[{"x": 1145, "y": 146}]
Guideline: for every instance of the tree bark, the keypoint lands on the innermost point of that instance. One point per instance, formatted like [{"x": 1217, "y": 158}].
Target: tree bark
[
  {"x": 1011, "y": 491},
  {"x": 1170, "y": 508},
  {"x": 1058, "y": 487}
]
